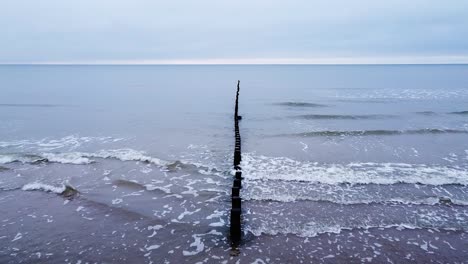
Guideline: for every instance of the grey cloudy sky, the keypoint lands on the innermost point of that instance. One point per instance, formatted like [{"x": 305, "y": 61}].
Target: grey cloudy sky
[{"x": 147, "y": 31}]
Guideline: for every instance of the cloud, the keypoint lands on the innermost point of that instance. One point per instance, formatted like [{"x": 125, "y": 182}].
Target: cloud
[{"x": 144, "y": 30}]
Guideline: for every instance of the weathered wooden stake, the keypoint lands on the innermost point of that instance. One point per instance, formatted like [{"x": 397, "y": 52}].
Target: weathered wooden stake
[
  {"x": 236, "y": 202},
  {"x": 235, "y": 191},
  {"x": 236, "y": 210},
  {"x": 235, "y": 225}
]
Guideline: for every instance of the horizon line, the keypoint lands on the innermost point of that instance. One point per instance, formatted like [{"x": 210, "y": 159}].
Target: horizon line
[
  {"x": 231, "y": 64},
  {"x": 395, "y": 60}
]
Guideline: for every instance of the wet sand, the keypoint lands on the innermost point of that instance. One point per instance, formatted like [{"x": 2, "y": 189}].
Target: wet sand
[{"x": 39, "y": 227}]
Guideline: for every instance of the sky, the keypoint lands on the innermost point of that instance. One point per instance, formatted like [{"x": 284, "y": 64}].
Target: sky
[{"x": 241, "y": 31}]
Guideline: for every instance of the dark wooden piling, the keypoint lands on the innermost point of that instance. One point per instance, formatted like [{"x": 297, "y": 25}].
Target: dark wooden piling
[
  {"x": 237, "y": 184},
  {"x": 236, "y": 211},
  {"x": 235, "y": 191},
  {"x": 235, "y": 226}
]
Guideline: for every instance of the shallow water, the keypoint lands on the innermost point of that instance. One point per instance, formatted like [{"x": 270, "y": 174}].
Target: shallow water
[{"x": 341, "y": 163}]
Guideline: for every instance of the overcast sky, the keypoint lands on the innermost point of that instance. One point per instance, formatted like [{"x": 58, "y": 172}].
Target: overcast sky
[{"x": 209, "y": 31}]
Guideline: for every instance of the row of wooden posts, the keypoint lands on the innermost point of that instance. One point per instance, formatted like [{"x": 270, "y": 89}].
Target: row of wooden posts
[{"x": 236, "y": 210}]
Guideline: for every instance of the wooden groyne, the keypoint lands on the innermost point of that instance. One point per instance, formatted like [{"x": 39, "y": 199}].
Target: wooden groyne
[{"x": 236, "y": 210}]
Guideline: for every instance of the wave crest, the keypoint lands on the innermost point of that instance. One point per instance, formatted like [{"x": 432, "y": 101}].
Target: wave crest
[
  {"x": 79, "y": 158},
  {"x": 314, "y": 229},
  {"x": 334, "y": 133},
  {"x": 281, "y": 168}
]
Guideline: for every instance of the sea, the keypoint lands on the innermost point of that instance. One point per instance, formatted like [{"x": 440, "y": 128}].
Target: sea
[{"x": 134, "y": 164}]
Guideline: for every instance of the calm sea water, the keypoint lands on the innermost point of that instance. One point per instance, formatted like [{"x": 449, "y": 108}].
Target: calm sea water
[{"x": 341, "y": 163}]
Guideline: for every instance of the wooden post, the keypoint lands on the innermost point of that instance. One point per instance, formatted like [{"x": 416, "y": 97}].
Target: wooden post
[
  {"x": 235, "y": 226},
  {"x": 236, "y": 211}
]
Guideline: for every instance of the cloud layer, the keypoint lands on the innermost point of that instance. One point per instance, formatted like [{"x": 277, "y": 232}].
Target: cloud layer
[{"x": 220, "y": 31}]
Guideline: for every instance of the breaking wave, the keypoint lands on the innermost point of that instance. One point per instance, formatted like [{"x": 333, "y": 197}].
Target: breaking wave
[
  {"x": 83, "y": 158},
  {"x": 37, "y": 186},
  {"x": 292, "y": 198},
  {"x": 25, "y": 158},
  {"x": 286, "y": 169},
  {"x": 69, "y": 142},
  {"x": 332, "y": 133},
  {"x": 78, "y": 158},
  {"x": 314, "y": 229},
  {"x": 63, "y": 190}
]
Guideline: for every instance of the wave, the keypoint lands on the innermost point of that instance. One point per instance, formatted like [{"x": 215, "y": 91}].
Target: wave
[
  {"x": 460, "y": 113},
  {"x": 428, "y": 113},
  {"x": 354, "y": 194},
  {"x": 334, "y": 133},
  {"x": 64, "y": 190},
  {"x": 300, "y": 104},
  {"x": 345, "y": 117},
  {"x": 397, "y": 94},
  {"x": 79, "y": 158},
  {"x": 83, "y": 158},
  {"x": 372, "y": 101},
  {"x": 36, "y": 186},
  {"x": 131, "y": 184},
  {"x": 128, "y": 155},
  {"x": 25, "y": 158},
  {"x": 442, "y": 200},
  {"x": 285, "y": 169},
  {"x": 310, "y": 219},
  {"x": 31, "y": 105},
  {"x": 70, "y": 142},
  {"x": 314, "y": 229},
  {"x": 66, "y": 158}
]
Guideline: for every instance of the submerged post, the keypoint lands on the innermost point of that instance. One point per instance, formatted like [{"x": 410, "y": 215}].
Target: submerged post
[{"x": 236, "y": 210}]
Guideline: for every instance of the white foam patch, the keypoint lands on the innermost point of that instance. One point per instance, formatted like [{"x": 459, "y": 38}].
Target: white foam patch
[
  {"x": 286, "y": 169},
  {"x": 17, "y": 237},
  {"x": 155, "y": 227},
  {"x": 186, "y": 212},
  {"x": 117, "y": 201},
  {"x": 152, "y": 247},
  {"x": 216, "y": 214},
  {"x": 198, "y": 244},
  {"x": 37, "y": 186}
]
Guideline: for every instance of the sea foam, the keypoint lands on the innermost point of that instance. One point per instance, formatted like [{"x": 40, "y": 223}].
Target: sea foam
[
  {"x": 78, "y": 158},
  {"x": 37, "y": 186},
  {"x": 257, "y": 167}
]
